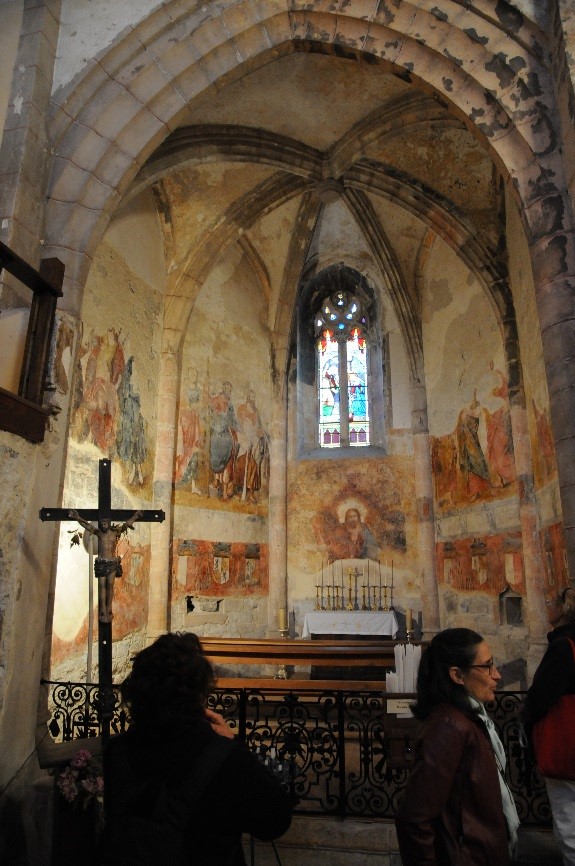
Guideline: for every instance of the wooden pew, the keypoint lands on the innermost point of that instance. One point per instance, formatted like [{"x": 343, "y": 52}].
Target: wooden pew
[{"x": 348, "y": 654}]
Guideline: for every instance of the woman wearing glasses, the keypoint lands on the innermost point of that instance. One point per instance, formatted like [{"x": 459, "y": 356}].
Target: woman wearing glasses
[
  {"x": 457, "y": 808},
  {"x": 554, "y": 678}
]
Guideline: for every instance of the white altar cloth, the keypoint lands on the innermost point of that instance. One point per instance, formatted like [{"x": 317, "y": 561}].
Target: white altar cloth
[{"x": 351, "y": 622}]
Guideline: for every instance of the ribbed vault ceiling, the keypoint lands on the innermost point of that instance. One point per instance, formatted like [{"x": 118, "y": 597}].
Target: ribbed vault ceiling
[{"x": 275, "y": 135}]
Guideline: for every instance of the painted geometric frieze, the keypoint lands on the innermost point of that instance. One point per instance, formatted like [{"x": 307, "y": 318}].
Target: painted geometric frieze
[
  {"x": 222, "y": 569},
  {"x": 491, "y": 564}
]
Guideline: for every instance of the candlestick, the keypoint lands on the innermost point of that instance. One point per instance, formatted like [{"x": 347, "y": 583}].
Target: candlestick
[
  {"x": 349, "y": 603},
  {"x": 363, "y": 604},
  {"x": 374, "y": 598},
  {"x": 328, "y": 597},
  {"x": 385, "y": 605},
  {"x": 409, "y": 620},
  {"x": 317, "y": 604}
]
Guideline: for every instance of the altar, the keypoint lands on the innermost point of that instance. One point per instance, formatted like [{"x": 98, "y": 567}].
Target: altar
[{"x": 350, "y": 622}]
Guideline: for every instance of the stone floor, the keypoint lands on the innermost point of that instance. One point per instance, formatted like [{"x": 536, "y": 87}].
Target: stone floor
[{"x": 326, "y": 841}]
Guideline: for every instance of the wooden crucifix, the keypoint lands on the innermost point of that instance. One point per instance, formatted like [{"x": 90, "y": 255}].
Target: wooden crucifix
[{"x": 107, "y": 567}]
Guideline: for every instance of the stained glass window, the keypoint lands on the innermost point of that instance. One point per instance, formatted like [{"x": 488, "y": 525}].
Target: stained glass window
[{"x": 340, "y": 327}]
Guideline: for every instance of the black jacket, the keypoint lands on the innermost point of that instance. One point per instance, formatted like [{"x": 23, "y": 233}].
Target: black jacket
[
  {"x": 554, "y": 677},
  {"x": 241, "y": 797}
]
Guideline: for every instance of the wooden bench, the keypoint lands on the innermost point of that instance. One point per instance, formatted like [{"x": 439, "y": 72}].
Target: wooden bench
[{"x": 345, "y": 654}]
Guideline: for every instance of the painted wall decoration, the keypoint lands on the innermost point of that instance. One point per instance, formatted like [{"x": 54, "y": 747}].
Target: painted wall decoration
[
  {"x": 107, "y": 405},
  {"x": 70, "y": 629},
  {"x": 542, "y": 447},
  {"x": 348, "y": 537},
  {"x": 489, "y": 564},
  {"x": 554, "y": 557},
  {"x": 223, "y": 446},
  {"x": 476, "y": 460},
  {"x": 220, "y": 569},
  {"x": 340, "y": 510}
]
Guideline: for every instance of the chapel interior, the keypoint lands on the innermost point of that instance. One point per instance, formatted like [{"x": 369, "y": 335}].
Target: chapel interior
[{"x": 305, "y": 273}]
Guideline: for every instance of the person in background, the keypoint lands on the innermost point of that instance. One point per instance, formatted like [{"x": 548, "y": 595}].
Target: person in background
[
  {"x": 457, "y": 808},
  {"x": 554, "y": 678},
  {"x": 166, "y": 694}
]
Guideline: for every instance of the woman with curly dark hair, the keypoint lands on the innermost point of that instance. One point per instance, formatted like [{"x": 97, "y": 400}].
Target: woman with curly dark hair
[
  {"x": 179, "y": 788},
  {"x": 457, "y": 808}
]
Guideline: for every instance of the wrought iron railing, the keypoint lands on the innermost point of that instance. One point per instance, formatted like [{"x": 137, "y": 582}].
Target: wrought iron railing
[{"x": 331, "y": 745}]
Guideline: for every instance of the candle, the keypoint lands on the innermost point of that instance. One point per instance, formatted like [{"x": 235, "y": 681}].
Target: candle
[
  {"x": 282, "y": 619},
  {"x": 409, "y": 619},
  {"x": 385, "y": 573}
]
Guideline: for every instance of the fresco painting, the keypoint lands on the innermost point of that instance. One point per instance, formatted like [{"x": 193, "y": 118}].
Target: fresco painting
[
  {"x": 362, "y": 511},
  {"x": 542, "y": 447},
  {"x": 490, "y": 564},
  {"x": 223, "y": 447},
  {"x": 107, "y": 406},
  {"x": 130, "y": 599},
  {"x": 219, "y": 569},
  {"x": 341, "y": 531},
  {"x": 554, "y": 557},
  {"x": 475, "y": 462}
]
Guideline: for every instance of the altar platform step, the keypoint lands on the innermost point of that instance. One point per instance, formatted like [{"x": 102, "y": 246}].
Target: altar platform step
[{"x": 328, "y": 841}]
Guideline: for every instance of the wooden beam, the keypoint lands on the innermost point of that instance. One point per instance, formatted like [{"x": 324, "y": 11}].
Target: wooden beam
[{"x": 22, "y": 417}]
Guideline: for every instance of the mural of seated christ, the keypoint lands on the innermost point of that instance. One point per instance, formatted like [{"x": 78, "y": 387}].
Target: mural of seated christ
[{"x": 352, "y": 539}]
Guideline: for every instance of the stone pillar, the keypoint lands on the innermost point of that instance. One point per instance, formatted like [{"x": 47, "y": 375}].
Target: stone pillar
[
  {"x": 23, "y": 162},
  {"x": 160, "y": 562},
  {"x": 553, "y": 259},
  {"x": 278, "y": 592},
  {"x": 425, "y": 518},
  {"x": 536, "y": 616}
]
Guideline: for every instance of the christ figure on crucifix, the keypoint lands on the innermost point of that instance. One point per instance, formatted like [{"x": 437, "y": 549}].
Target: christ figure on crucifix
[{"x": 107, "y": 566}]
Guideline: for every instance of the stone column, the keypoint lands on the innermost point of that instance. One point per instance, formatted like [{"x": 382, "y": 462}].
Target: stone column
[
  {"x": 24, "y": 165},
  {"x": 425, "y": 518},
  {"x": 536, "y": 618},
  {"x": 160, "y": 562},
  {"x": 278, "y": 591},
  {"x": 552, "y": 247}
]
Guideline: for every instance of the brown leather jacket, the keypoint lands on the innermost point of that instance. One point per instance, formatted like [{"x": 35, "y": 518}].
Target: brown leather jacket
[{"x": 451, "y": 812}]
